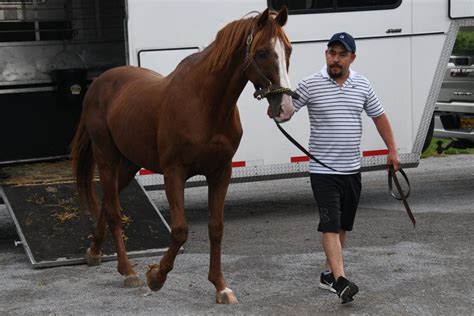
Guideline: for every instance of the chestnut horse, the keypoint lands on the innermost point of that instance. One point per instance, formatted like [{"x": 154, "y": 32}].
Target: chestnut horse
[{"x": 181, "y": 125}]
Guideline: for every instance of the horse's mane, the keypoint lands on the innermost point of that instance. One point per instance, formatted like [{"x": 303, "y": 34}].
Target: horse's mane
[{"x": 233, "y": 36}]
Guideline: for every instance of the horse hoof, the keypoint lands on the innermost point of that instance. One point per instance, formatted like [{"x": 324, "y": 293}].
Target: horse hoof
[
  {"x": 152, "y": 277},
  {"x": 226, "y": 296},
  {"x": 132, "y": 281},
  {"x": 91, "y": 259}
]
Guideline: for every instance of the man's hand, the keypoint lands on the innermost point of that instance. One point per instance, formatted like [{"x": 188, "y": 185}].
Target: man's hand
[{"x": 393, "y": 159}]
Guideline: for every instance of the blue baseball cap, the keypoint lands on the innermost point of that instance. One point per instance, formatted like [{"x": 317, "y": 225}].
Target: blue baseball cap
[{"x": 345, "y": 39}]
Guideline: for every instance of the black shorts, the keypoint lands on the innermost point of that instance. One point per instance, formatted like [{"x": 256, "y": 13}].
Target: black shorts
[{"x": 337, "y": 197}]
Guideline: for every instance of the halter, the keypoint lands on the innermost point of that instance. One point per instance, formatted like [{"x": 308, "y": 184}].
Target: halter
[{"x": 271, "y": 89}]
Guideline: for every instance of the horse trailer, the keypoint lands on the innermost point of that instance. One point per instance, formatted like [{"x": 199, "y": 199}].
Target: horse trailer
[{"x": 51, "y": 50}]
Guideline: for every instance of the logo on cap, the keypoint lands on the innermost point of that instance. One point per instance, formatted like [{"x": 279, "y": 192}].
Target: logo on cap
[{"x": 345, "y": 39}]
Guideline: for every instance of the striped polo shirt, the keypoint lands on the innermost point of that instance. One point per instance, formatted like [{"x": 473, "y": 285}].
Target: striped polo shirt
[{"x": 335, "y": 119}]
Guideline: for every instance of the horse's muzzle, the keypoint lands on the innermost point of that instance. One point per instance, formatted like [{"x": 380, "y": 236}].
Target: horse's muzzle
[
  {"x": 286, "y": 109},
  {"x": 280, "y": 100}
]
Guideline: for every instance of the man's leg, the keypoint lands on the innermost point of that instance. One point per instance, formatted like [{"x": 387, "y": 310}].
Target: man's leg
[
  {"x": 349, "y": 206},
  {"x": 327, "y": 192},
  {"x": 333, "y": 249},
  {"x": 328, "y": 197},
  {"x": 333, "y": 244},
  {"x": 342, "y": 239},
  {"x": 352, "y": 187}
]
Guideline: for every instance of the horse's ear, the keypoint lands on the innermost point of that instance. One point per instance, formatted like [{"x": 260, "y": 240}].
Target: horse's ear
[
  {"x": 263, "y": 19},
  {"x": 282, "y": 16}
]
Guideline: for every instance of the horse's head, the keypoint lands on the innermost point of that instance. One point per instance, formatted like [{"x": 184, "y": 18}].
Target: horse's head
[{"x": 267, "y": 62}]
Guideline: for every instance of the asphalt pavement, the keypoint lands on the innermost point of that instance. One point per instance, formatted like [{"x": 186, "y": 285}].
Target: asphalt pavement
[{"x": 272, "y": 255}]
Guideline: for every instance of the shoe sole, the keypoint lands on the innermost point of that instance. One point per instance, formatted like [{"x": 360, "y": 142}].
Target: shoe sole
[
  {"x": 347, "y": 295},
  {"x": 327, "y": 287}
]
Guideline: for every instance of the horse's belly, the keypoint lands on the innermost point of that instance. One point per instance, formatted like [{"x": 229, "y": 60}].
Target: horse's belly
[
  {"x": 142, "y": 154},
  {"x": 135, "y": 138}
]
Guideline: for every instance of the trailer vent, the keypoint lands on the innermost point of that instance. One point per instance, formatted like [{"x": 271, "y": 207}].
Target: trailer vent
[
  {"x": 55, "y": 30},
  {"x": 16, "y": 2},
  {"x": 28, "y": 31},
  {"x": 17, "y": 31}
]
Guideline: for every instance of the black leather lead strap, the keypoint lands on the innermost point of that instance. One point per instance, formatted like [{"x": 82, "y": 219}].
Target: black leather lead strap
[
  {"x": 391, "y": 175},
  {"x": 390, "y": 185},
  {"x": 401, "y": 196},
  {"x": 291, "y": 139}
]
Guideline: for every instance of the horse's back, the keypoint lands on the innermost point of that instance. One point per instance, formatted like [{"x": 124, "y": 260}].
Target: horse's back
[
  {"x": 119, "y": 77},
  {"x": 118, "y": 84}
]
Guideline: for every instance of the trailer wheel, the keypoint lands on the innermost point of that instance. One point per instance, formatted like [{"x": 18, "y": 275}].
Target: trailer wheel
[{"x": 429, "y": 135}]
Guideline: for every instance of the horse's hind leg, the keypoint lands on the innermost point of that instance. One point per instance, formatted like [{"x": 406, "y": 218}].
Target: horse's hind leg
[
  {"x": 115, "y": 173},
  {"x": 94, "y": 252},
  {"x": 218, "y": 185},
  {"x": 127, "y": 171},
  {"x": 174, "y": 186}
]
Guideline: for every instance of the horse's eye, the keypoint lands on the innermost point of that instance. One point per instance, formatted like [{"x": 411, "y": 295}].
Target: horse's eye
[{"x": 262, "y": 54}]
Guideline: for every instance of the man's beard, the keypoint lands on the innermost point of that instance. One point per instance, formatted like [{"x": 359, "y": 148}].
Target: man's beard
[{"x": 333, "y": 74}]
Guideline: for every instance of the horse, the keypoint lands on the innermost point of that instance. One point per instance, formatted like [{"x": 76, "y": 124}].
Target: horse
[{"x": 180, "y": 125}]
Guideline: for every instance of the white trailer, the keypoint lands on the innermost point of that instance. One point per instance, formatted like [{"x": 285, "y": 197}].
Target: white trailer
[{"x": 403, "y": 49}]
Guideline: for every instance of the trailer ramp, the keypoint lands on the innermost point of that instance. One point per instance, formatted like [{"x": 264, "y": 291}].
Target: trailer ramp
[{"x": 56, "y": 230}]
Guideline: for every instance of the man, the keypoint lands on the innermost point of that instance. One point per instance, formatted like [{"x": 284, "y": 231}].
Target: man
[{"x": 335, "y": 98}]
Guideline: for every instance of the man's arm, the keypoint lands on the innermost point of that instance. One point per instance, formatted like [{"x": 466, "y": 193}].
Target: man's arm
[{"x": 385, "y": 131}]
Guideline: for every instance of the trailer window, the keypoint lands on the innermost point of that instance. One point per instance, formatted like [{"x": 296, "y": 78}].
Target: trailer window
[
  {"x": 28, "y": 20},
  {"x": 22, "y": 1},
  {"x": 320, "y": 6},
  {"x": 55, "y": 30},
  {"x": 42, "y": 31},
  {"x": 17, "y": 31},
  {"x": 16, "y": 2},
  {"x": 368, "y": 4}
]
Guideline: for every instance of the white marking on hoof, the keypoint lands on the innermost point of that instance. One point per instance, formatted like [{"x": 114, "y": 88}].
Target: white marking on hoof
[
  {"x": 91, "y": 259},
  {"x": 226, "y": 296},
  {"x": 132, "y": 281}
]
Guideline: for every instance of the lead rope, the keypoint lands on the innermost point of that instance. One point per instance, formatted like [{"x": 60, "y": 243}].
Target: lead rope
[
  {"x": 402, "y": 196},
  {"x": 391, "y": 175},
  {"x": 291, "y": 139}
]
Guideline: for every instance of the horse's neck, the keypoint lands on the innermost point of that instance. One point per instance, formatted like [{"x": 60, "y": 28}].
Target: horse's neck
[{"x": 224, "y": 86}]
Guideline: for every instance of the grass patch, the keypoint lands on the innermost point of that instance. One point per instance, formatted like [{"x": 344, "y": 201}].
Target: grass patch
[{"x": 431, "y": 150}]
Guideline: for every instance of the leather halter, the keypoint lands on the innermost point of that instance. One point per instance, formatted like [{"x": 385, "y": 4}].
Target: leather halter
[{"x": 271, "y": 89}]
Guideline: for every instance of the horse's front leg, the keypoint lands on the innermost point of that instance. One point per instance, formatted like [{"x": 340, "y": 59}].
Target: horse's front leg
[
  {"x": 218, "y": 185},
  {"x": 174, "y": 188}
]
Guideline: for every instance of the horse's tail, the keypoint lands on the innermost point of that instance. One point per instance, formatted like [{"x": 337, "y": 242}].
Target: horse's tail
[{"x": 83, "y": 166}]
